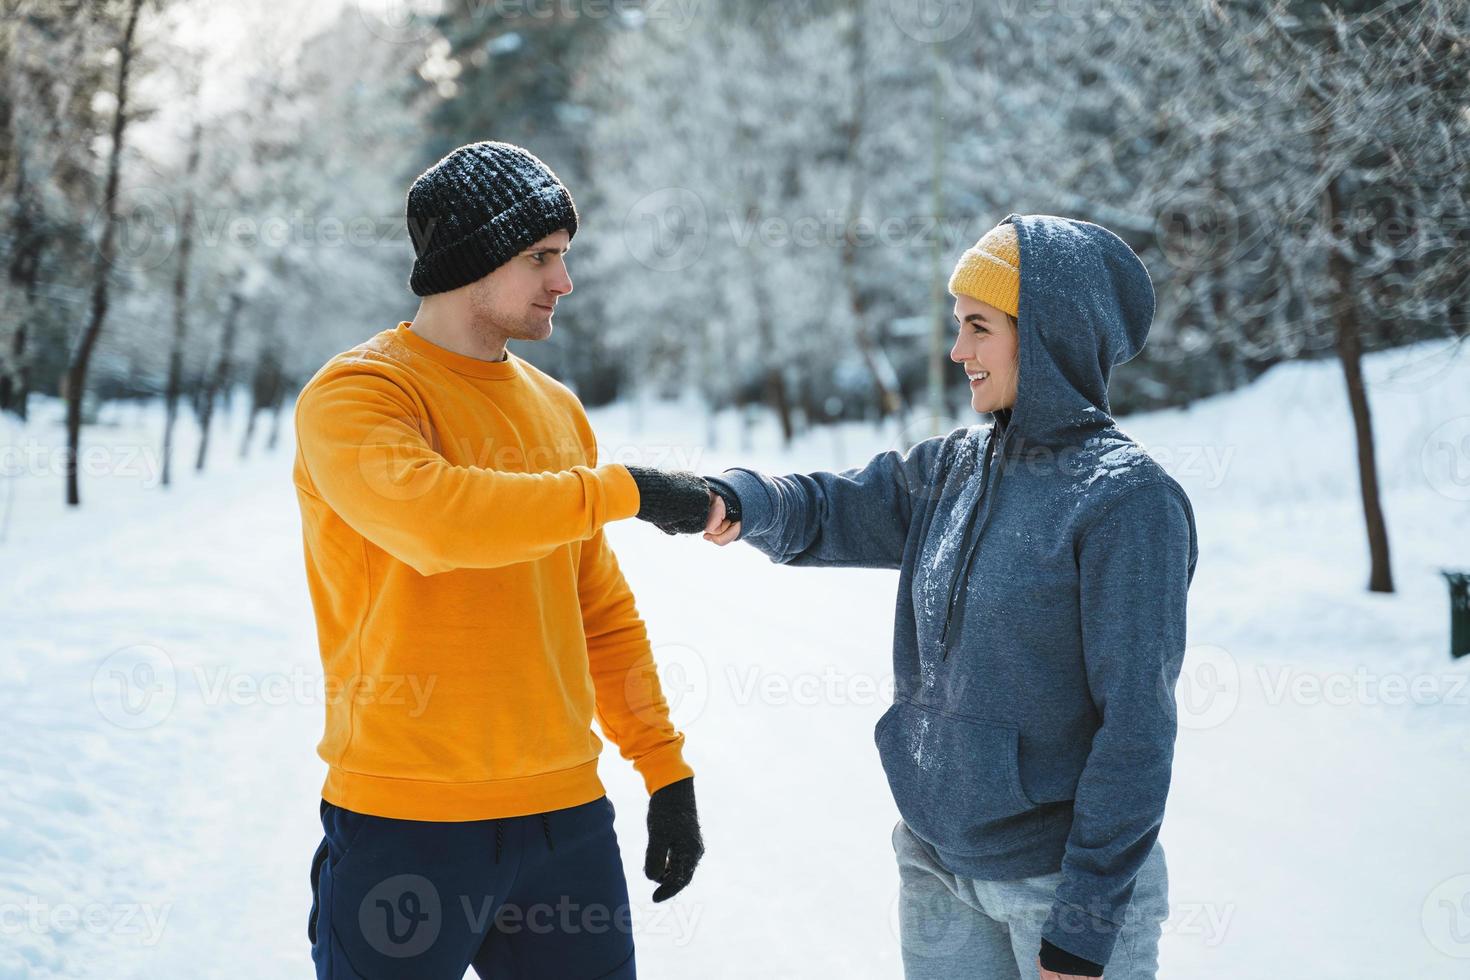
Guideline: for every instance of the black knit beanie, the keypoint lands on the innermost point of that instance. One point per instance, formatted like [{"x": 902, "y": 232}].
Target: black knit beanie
[{"x": 478, "y": 208}]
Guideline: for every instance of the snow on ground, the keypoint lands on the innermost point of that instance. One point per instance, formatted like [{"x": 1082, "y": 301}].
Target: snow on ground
[{"x": 160, "y": 677}]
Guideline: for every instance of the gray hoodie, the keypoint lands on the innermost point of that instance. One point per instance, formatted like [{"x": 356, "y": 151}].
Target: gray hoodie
[{"x": 1044, "y": 562}]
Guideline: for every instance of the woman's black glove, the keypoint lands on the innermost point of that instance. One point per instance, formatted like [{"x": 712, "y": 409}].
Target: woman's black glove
[
  {"x": 675, "y": 502},
  {"x": 674, "y": 844},
  {"x": 1058, "y": 960}
]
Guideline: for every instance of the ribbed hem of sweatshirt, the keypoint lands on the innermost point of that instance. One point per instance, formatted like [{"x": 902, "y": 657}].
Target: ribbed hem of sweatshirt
[
  {"x": 422, "y": 799},
  {"x": 621, "y": 489}
]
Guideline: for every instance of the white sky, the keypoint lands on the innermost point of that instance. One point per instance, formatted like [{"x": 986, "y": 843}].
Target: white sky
[
  {"x": 234, "y": 34},
  {"x": 234, "y": 38}
]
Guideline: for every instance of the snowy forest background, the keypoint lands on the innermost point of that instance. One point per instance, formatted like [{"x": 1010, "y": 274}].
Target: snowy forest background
[{"x": 202, "y": 200}]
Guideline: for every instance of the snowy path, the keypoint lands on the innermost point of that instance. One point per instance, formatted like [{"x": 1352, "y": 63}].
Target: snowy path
[{"x": 161, "y": 824}]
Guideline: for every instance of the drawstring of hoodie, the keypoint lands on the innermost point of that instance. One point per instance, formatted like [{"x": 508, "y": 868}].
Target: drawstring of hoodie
[
  {"x": 989, "y": 474},
  {"x": 500, "y": 836}
]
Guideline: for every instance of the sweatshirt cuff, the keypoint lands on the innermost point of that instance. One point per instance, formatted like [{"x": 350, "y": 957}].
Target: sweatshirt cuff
[
  {"x": 1058, "y": 960},
  {"x": 622, "y": 499},
  {"x": 664, "y": 765}
]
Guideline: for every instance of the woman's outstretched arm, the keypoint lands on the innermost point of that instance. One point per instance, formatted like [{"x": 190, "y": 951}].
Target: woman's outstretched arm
[{"x": 857, "y": 518}]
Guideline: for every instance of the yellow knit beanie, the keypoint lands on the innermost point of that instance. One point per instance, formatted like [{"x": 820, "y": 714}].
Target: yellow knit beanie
[{"x": 991, "y": 270}]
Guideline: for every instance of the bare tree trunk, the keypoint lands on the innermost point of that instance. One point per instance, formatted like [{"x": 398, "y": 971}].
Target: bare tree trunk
[
  {"x": 181, "y": 307},
  {"x": 776, "y": 393},
  {"x": 280, "y": 400},
  {"x": 250, "y": 415},
  {"x": 265, "y": 385},
  {"x": 775, "y": 381},
  {"x": 76, "y": 374},
  {"x": 779, "y": 399},
  {"x": 813, "y": 413},
  {"x": 24, "y": 272},
  {"x": 31, "y": 235},
  {"x": 938, "y": 362},
  {"x": 1350, "y": 352},
  {"x": 885, "y": 387},
  {"x": 15, "y": 385},
  {"x": 219, "y": 378}
]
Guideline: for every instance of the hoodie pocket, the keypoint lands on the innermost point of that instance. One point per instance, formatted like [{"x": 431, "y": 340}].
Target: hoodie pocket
[{"x": 955, "y": 779}]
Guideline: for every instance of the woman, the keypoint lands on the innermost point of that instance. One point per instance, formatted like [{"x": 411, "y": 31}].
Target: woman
[{"x": 1044, "y": 563}]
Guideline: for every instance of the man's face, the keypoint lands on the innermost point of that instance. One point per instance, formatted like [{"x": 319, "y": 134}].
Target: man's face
[{"x": 516, "y": 301}]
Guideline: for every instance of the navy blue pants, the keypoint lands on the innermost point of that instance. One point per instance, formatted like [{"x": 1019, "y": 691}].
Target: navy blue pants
[{"x": 520, "y": 897}]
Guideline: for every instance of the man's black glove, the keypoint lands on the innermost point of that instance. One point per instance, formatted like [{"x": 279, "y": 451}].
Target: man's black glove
[
  {"x": 674, "y": 844},
  {"x": 675, "y": 502}
]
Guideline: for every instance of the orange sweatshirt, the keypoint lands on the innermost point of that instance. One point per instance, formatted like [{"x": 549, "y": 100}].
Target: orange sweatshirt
[{"x": 472, "y": 618}]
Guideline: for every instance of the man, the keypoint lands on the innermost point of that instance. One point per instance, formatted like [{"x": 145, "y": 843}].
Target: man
[{"x": 473, "y": 620}]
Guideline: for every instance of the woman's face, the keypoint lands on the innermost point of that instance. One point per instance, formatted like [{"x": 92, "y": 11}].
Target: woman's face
[{"x": 987, "y": 347}]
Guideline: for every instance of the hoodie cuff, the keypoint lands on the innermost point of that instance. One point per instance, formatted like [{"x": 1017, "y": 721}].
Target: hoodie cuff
[
  {"x": 755, "y": 501},
  {"x": 1058, "y": 960},
  {"x": 1089, "y": 938},
  {"x": 728, "y": 495}
]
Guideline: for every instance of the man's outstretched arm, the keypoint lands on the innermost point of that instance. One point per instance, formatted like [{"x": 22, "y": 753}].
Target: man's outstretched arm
[{"x": 368, "y": 456}]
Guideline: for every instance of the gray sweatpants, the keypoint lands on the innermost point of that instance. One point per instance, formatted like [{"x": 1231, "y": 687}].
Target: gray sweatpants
[{"x": 953, "y": 927}]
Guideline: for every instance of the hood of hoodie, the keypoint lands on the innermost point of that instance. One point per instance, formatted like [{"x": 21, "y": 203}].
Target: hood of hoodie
[{"x": 1086, "y": 306}]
